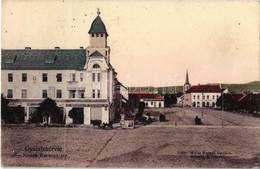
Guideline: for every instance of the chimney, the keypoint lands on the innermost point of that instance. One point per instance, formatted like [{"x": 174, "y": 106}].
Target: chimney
[{"x": 27, "y": 48}]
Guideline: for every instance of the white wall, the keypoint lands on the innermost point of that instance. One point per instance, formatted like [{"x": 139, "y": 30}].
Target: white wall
[
  {"x": 34, "y": 87},
  {"x": 208, "y": 97},
  {"x": 153, "y": 103}
]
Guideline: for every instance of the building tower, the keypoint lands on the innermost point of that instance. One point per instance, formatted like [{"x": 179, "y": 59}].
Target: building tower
[
  {"x": 186, "y": 85},
  {"x": 98, "y": 39}
]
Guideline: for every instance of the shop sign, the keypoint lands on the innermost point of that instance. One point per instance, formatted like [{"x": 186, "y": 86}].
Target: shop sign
[{"x": 86, "y": 105}]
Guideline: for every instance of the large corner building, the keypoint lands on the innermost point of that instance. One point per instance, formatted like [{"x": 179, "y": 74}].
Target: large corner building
[{"x": 79, "y": 80}]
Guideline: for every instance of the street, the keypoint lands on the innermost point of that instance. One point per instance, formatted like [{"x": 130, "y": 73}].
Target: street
[{"x": 223, "y": 140}]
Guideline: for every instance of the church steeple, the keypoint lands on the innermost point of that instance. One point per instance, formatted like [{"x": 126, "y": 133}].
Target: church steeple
[
  {"x": 187, "y": 78},
  {"x": 186, "y": 85}
]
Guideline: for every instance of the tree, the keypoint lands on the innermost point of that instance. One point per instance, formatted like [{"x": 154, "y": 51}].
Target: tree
[
  {"x": 140, "y": 110},
  {"x": 4, "y": 108},
  {"x": 170, "y": 99},
  {"x": 48, "y": 108},
  {"x": 228, "y": 102}
]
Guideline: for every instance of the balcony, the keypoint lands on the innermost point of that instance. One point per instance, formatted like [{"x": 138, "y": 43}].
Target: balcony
[{"x": 75, "y": 85}]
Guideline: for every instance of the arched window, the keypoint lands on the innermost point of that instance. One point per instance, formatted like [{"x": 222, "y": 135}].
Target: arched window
[
  {"x": 194, "y": 104},
  {"x": 95, "y": 66}
]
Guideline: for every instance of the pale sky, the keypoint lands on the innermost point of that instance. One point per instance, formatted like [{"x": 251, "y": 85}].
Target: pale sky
[{"x": 152, "y": 42}]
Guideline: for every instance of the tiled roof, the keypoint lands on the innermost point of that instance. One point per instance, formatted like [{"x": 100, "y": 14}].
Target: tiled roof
[
  {"x": 98, "y": 26},
  {"x": 249, "y": 97},
  {"x": 236, "y": 97},
  {"x": 209, "y": 88},
  {"x": 43, "y": 59},
  {"x": 146, "y": 95}
]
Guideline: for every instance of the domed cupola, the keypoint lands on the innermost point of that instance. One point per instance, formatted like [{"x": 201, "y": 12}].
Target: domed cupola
[{"x": 97, "y": 26}]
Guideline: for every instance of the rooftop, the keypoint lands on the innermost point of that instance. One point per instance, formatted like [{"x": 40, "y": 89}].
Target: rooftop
[
  {"x": 43, "y": 59},
  {"x": 98, "y": 26},
  {"x": 208, "y": 88}
]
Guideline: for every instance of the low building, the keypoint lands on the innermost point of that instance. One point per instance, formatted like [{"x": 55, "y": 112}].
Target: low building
[
  {"x": 203, "y": 95},
  {"x": 149, "y": 98}
]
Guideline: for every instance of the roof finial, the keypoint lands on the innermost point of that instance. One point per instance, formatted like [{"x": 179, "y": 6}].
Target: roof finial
[{"x": 98, "y": 12}]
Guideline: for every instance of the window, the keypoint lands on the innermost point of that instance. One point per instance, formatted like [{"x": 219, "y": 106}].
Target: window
[
  {"x": 101, "y": 34},
  {"x": 81, "y": 77},
  {"x": 10, "y": 77},
  {"x": 96, "y": 34},
  {"x": 98, "y": 77},
  {"x": 194, "y": 97},
  {"x": 24, "y": 93},
  {"x": 44, "y": 94},
  {"x": 59, "y": 94},
  {"x": 44, "y": 77},
  {"x": 81, "y": 94},
  {"x": 213, "y": 96},
  {"x": 9, "y": 93},
  {"x": 194, "y": 104},
  {"x": 72, "y": 93},
  {"x": 73, "y": 77},
  {"x": 207, "y": 96},
  {"x": 217, "y": 96},
  {"x": 151, "y": 103},
  {"x": 93, "y": 94},
  {"x": 203, "y": 97},
  {"x": 96, "y": 66},
  {"x": 24, "y": 77},
  {"x": 59, "y": 77},
  {"x": 92, "y": 35},
  {"x": 198, "y": 104},
  {"x": 93, "y": 77},
  {"x": 98, "y": 95},
  {"x": 198, "y": 97},
  {"x": 106, "y": 53}
]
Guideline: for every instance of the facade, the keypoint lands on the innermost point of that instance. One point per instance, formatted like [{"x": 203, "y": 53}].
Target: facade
[
  {"x": 203, "y": 95},
  {"x": 149, "y": 98},
  {"x": 79, "y": 80}
]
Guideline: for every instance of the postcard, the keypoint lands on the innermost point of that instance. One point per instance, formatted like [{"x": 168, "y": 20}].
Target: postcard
[{"x": 130, "y": 84}]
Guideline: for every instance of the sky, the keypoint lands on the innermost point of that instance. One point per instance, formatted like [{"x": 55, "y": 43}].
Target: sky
[{"x": 152, "y": 43}]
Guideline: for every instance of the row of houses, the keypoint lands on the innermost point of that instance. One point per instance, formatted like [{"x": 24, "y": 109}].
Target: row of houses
[{"x": 208, "y": 95}]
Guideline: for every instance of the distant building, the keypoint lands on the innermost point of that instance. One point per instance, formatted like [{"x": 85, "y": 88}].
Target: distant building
[
  {"x": 186, "y": 85},
  {"x": 150, "y": 99},
  {"x": 79, "y": 80},
  {"x": 203, "y": 95}
]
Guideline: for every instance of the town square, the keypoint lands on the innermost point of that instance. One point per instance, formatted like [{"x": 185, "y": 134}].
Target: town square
[{"x": 134, "y": 84}]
